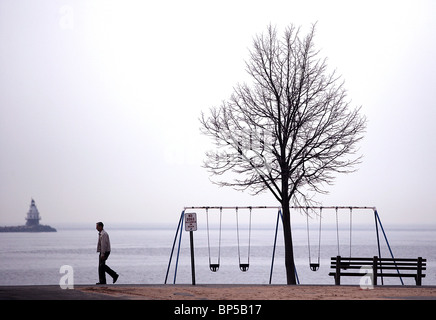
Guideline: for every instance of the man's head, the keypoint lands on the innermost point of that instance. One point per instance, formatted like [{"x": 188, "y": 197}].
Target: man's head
[{"x": 99, "y": 226}]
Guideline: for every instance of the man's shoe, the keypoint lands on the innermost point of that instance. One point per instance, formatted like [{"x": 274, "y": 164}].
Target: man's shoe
[
  {"x": 99, "y": 283},
  {"x": 116, "y": 278}
]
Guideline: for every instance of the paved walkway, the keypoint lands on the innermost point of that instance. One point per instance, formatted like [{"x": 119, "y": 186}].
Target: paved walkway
[{"x": 49, "y": 293}]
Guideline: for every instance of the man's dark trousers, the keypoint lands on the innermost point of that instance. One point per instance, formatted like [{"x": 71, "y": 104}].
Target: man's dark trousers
[{"x": 103, "y": 268}]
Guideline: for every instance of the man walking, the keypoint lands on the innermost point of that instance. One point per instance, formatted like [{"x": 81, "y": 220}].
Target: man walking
[{"x": 104, "y": 249}]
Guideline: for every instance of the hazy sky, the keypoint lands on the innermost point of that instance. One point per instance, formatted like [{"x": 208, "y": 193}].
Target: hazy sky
[{"x": 100, "y": 100}]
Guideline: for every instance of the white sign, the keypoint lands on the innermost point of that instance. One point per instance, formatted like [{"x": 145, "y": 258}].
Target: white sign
[{"x": 191, "y": 221}]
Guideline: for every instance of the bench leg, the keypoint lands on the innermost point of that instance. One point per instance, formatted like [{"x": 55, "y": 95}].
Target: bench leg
[
  {"x": 374, "y": 270},
  {"x": 418, "y": 278},
  {"x": 338, "y": 271}
]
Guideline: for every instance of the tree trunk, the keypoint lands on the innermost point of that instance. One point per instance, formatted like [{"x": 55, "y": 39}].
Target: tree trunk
[{"x": 289, "y": 250}]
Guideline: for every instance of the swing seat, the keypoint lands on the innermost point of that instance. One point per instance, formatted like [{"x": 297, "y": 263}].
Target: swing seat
[
  {"x": 314, "y": 266},
  {"x": 244, "y": 266},
  {"x": 214, "y": 267}
]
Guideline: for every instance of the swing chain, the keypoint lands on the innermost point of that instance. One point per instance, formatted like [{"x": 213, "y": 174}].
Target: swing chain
[
  {"x": 243, "y": 266},
  {"x": 319, "y": 238},
  {"x": 337, "y": 230},
  {"x": 208, "y": 238},
  {"x": 214, "y": 266},
  {"x": 314, "y": 266},
  {"x": 350, "y": 227}
]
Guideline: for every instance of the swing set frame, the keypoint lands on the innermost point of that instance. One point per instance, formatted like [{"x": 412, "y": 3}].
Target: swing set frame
[{"x": 244, "y": 267}]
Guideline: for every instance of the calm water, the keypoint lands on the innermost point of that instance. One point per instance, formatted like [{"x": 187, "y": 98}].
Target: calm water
[{"x": 141, "y": 255}]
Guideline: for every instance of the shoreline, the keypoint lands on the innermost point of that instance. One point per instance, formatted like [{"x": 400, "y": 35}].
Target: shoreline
[{"x": 25, "y": 228}]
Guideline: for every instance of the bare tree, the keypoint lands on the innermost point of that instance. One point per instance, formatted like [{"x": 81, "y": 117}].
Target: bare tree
[{"x": 289, "y": 131}]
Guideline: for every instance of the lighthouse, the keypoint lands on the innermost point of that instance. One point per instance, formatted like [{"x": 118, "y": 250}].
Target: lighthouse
[
  {"x": 32, "y": 215},
  {"x": 32, "y": 223}
]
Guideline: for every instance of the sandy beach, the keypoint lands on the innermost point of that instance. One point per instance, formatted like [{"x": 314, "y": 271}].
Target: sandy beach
[{"x": 262, "y": 292}]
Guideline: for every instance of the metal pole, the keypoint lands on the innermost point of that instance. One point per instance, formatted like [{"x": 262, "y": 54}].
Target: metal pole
[
  {"x": 178, "y": 250},
  {"x": 276, "y": 207},
  {"x": 172, "y": 250},
  {"x": 191, "y": 241},
  {"x": 387, "y": 242},
  {"x": 274, "y": 247},
  {"x": 378, "y": 246}
]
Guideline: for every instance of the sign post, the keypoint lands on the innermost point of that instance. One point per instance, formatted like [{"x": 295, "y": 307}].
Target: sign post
[{"x": 191, "y": 226}]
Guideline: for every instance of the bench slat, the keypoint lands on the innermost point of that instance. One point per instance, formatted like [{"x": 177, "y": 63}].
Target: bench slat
[
  {"x": 380, "y": 263},
  {"x": 380, "y": 259},
  {"x": 382, "y": 267},
  {"x": 355, "y": 274}
]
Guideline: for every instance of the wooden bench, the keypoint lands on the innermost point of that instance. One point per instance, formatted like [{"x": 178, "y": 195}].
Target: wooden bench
[{"x": 381, "y": 267}]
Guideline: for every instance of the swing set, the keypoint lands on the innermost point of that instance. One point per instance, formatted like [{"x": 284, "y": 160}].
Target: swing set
[{"x": 314, "y": 264}]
